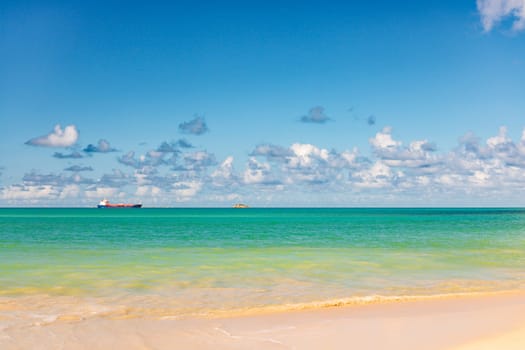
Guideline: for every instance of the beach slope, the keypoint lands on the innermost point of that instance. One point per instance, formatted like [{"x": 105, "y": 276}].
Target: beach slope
[{"x": 459, "y": 323}]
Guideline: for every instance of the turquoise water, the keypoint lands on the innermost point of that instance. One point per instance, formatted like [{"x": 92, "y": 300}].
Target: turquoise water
[{"x": 199, "y": 261}]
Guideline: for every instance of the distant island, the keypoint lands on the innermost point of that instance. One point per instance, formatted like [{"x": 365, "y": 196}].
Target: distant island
[{"x": 240, "y": 206}]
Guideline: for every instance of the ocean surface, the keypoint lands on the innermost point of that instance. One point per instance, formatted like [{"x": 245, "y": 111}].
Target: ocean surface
[{"x": 176, "y": 263}]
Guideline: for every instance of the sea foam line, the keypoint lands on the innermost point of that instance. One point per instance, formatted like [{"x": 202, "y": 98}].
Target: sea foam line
[
  {"x": 81, "y": 311},
  {"x": 349, "y": 302}
]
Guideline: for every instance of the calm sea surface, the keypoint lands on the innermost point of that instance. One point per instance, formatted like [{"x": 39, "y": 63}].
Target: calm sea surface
[{"x": 187, "y": 262}]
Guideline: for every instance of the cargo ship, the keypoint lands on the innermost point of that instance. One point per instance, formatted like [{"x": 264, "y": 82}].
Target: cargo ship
[{"x": 106, "y": 204}]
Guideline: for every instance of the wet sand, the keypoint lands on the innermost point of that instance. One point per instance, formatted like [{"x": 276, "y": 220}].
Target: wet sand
[{"x": 458, "y": 323}]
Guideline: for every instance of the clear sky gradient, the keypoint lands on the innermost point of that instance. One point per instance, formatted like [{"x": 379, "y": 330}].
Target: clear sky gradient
[{"x": 285, "y": 103}]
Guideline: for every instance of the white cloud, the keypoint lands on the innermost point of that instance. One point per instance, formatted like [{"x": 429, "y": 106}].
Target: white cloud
[
  {"x": 300, "y": 173},
  {"x": 521, "y": 145},
  {"x": 453, "y": 180},
  {"x": 29, "y": 193},
  {"x": 185, "y": 190},
  {"x": 145, "y": 162},
  {"x": 198, "y": 161},
  {"x": 500, "y": 139},
  {"x": 315, "y": 115},
  {"x": 70, "y": 191},
  {"x": 102, "y": 146},
  {"x": 78, "y": 168},
  {"x": 419, "y": 153},
  {"x": 350, "y": 156},
  {"x": 224, "y": 175},
  {"x": 494, "y": 11},
  {"x": 116, "y": 179},
  {"x": 147, "y": 191},
  {"x": 271, "y": 151},
  {"x": 103, "y": 192},
  {"x": 384, "y": 140},
  {"x": 305, "y": 154},
  {"x": 379, "y": 175},
  {"x": 72, "y": 155},
  {"x": 480, "y": 178},
  {"x": 57, "y": 138},
  {"x": 300, "y": 164},
  {"x": 256, "y": 172},
  {"x": 196, "y": 126}
]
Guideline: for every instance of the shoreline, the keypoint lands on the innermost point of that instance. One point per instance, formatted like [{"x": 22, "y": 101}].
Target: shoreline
[
  {"x": 356, "y": 302},
  {"x": 54, "y": 308},
  {"x": 459, "y": 323}
]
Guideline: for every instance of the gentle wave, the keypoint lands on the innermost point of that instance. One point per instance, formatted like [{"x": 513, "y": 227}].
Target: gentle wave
[{"x": 45, "y": 310}]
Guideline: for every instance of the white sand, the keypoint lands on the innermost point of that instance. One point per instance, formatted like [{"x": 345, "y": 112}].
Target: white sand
[
  {"x": 509, "y": 340},
  {"x": 466, "y": 323}
]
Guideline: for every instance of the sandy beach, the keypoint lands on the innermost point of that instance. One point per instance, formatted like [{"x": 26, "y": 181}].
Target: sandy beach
[{"x": 458, "y": 323}]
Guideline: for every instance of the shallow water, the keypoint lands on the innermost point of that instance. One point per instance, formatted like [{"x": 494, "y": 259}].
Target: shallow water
[{"x": 184, "y": 262}]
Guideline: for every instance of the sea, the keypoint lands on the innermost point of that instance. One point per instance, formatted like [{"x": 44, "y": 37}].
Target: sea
[{"x": 177, "y": 263}]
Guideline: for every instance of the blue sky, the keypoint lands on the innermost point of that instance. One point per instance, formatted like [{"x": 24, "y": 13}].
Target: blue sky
[{"x": 300, "y": 103}]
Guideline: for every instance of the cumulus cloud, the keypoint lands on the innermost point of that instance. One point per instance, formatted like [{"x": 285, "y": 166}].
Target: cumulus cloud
[
  {"x": 174, "y": 147},
  {"x": 196, "y": 126},
  {"x": 148, "y": 191},
  {"x": 224, "y": 175},
  {"x": 499, "y": 154},
  {"x": 469, "y": 146},
  {"x": 78, "y": 168},
  {"x": 301, "y": 163},
  {"x": 72, "y": 155},
  {"x": 114, "y": 180},
  {"x": 305, "y": 154},
  {"x": 415, "y": 170},
  {"x": 271, "y": 151},
  {"x": 45, "y": 188},
  {"x": 501, "y": 143},
  {"x": 174, "y": 186},
  {"x": 383, "y": 140},
  {"x": 147, "y": 161},
  {"x": 258, "y": 173},
  {"x": 300, "y": 155},
  {"x": 70, "y": 191},
  {"x": 28, "y": 193},
  {"x": 102, "y": 146},
  {"x": 314, "y": 165},
  {"x": 496, "y": 164},
  {"x": 129, "y": 160},
  {"x": 494, "y": 11},
  {"x": 57, "y": 138},
  {"x": 197, "y": 161},
  {"x": 166, "y": 147},
  {"x": 315, "y": 115},
  {"x": 379, "y": 175},
  {"x": 182, "y": 143},
  {"x": 166, "y": 154},
  {"x": 96, "y": 193},
  {"x": 185, "y": 190},
  {"x": 418, "y": 154},
  {"x": 58, "y": 180}
]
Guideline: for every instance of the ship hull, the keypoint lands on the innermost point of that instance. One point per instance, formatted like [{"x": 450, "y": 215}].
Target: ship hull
[{"x": 119, "y": 206}]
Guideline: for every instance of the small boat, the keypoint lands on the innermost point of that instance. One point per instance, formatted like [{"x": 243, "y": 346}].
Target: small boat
[
  {"x": 240, "y": 206},
  {"x": 106, "y": 204}
]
